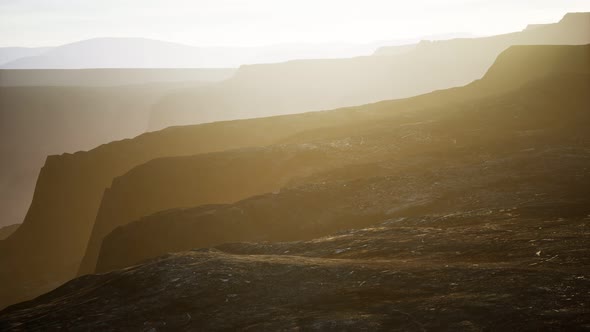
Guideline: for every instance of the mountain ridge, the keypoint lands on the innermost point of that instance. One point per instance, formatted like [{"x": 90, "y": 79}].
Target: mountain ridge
[
  {"x": 70, "y": 186},
  {"x": 327, "y": 84}
]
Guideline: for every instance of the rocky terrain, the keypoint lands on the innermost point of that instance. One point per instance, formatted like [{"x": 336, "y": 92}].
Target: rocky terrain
[{"x": 519, "y": 268}]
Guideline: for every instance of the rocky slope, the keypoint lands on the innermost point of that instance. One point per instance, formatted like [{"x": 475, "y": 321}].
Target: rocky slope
[{"x": 514, "y": 269}]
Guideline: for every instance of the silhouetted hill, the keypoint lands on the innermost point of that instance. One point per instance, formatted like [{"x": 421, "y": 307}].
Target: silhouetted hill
[
  {"x": 310, "y": 85},
  {"x": 115, "y": 53},
  {"x": 148, "y": 53},
  {"x": 7, "y": 230},
  {"x": 48, "y": 247},
  {"x": 8, "y": 54},
  {"x": 108, "y": 77}
]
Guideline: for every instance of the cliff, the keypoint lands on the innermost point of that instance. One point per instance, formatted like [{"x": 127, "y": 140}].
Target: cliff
[
  {"x": 47, "y": 248},
  {"x": 222, "y": 177}
]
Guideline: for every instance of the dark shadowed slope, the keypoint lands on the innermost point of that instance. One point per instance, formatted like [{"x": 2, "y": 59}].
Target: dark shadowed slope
[
  {"x": 48, "y": 247},
  {"x": 7, "y": 230},
  {"x": 309, "y": 85}
]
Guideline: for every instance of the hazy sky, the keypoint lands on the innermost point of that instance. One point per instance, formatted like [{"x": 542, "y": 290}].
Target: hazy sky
[{"x": 259, "y": 22}]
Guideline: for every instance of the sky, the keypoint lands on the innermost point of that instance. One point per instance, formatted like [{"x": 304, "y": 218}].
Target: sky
[{"x": 35, "y": 23}]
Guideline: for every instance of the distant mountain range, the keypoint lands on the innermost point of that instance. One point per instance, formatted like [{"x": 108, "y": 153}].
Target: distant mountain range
[{"x": 148, "y": 53}]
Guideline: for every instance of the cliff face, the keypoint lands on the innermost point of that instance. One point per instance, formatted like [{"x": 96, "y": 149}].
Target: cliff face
[
  {"x": 308, "y": 85},
  {"x": 38, "y": 121},
  {"x": 212, "y": 178},
  {"x": 46, "y": 112}
]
